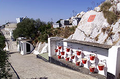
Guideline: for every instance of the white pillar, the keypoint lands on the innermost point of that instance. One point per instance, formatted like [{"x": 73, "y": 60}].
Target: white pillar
[{"x": 114, "y": 61}]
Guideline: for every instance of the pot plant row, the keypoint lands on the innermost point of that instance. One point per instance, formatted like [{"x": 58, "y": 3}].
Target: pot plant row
[{"x": 84, "y": 60}]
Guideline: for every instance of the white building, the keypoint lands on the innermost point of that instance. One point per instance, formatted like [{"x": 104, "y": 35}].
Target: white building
[
  {"x": 105, "y": 58},
  {"x": 9, "y": 27}
]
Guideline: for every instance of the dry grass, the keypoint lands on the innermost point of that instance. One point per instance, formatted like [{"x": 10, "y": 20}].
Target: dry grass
[
  {"x": 110, "y": 33},
  {"x": 110, "y": 16},
  {"x": 97, "y": 37},
  {"x": 119, "y": 32},
  {"x": 63, "y": 32},
  {"x": 105, "y": 29},
  {"x": 105, "y": 6}
]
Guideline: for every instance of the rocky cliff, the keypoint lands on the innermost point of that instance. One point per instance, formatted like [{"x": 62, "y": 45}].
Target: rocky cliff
[{"x": 96, "y": 27}]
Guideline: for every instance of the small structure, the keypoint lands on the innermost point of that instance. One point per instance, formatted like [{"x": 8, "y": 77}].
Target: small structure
[
  {"x": 65, "y": 23},
  {"x": 56, "y": 25},
  {"x": 20, "y": 19},
  {"x": 75, "y": 21},
  {"x": 99, "y": 58},
  {"x": 25, "y": 46}
]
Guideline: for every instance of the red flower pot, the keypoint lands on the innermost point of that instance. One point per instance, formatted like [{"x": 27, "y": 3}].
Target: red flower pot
[
  {"x": 67, "y": 49},
  {"x": 73, "y": 56},
  {"x": 101, "y": 66},
  {"x": 78, "y": 52},
  {"x": 92, "y": 57},
  {"x": 84, "y": 60},
  {"x": 92, "y": 69},
  {"x": 67, "y": 59},
  {"x": 59, "y": 56},
  {"x": 77, "y": 63},
  {"x": 62, "y": 53},
  {"x": 56, "y": 50},
  {"x": 59, "y": 47}
]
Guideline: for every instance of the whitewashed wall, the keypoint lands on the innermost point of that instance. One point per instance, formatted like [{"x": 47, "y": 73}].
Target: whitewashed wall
[
  {"x": 110, "y": 57},
  {"x": 101, "y": 54},
  {"x": 52, "y": 43},
  {"x": 23, "y": 47}
]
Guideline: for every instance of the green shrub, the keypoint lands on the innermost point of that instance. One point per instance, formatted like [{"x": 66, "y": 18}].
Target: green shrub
[
  {"x": 105, "y": 6},
  {"x": 43, "y": 38},
  {"x": 110, "y": 16},
  {"x": 4, "y": 64}
]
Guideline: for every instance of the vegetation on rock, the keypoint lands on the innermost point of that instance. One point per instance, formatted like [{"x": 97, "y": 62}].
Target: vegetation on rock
[
  {"x": 105, "y": 6},
  {"x": 109, "y": 15}
]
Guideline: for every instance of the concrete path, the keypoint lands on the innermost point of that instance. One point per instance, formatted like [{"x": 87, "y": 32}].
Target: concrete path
[
  {"x": 28, "y": 66},
  {"x": 12, "y": 47}
]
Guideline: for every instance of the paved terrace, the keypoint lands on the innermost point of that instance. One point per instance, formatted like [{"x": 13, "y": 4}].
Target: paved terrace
[{"x": 28, "y": 66}]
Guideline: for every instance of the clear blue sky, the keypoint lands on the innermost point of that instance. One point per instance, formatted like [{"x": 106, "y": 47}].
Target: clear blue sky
[{"x": 43, "y": 9}]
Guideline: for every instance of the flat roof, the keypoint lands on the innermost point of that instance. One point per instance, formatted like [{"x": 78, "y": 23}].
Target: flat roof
[
  {"x": 88, "y": 43},
  {"x": 56, "y": 38}
]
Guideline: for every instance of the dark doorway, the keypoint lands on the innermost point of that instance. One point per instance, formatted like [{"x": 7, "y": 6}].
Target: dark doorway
[{"x": 28, "y": 47}]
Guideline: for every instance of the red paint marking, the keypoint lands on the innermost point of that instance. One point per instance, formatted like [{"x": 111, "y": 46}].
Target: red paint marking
[{"x": 91, "y": 18}]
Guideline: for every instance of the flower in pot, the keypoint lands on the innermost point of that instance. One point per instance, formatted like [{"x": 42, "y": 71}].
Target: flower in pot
[
  {"x": 67, "y": 49},
  {"x": 59, "y": 47},
  {"x": 101, "y": 67},
  {"x": 67, "y": 58},
  {"x": 77, "y": 63},
  {"x": 92, "y": 68},
  {"x": 73, "y": 56},
  {"x": 78, "y": 52},
  {"x": 56, "y": 50},
  {"x": 92, "y": 57},
  {"x": 84, "y": 60},
  {"x": 62, "y": 53},
  {"x": 59, "y": 56}
]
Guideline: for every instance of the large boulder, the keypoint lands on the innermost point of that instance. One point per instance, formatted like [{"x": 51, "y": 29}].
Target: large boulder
[{"x": 93, "y": 27}]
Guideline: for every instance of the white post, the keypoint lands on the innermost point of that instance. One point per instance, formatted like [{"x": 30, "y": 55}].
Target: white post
[{"x": 49, "y": 47}]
